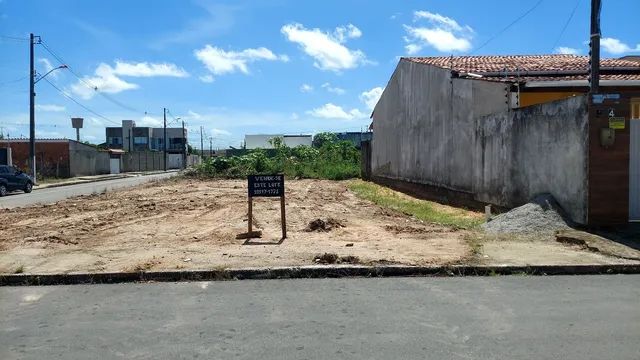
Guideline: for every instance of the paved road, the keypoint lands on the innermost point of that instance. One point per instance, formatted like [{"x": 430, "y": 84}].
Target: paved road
[
  {"x": 571, "y": 317},
  {"x": 50, "y": 195}
]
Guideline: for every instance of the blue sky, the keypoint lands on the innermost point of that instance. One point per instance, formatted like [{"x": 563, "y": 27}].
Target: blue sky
[{"x": 238, "y": 67}]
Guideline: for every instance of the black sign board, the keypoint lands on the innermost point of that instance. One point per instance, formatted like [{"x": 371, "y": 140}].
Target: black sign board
[
  {"x": 269, "y": 186},
  {"x": 266, "y": 185}
]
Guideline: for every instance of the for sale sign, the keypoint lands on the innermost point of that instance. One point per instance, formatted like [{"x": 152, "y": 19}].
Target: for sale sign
[
  {"x": 269, "y": 186},
  {"x": 266, "y": 185}
]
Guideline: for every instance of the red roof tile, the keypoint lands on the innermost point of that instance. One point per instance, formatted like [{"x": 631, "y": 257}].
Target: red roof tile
[{"x": 533, "y": 63}]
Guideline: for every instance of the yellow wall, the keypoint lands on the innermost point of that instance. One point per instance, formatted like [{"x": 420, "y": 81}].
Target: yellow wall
[{"x": 533, "y": 98}]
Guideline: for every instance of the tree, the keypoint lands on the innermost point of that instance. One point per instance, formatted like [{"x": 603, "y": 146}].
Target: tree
[
  {"x": 189, "y": 149},
  {"x": 324, "y": 137}
]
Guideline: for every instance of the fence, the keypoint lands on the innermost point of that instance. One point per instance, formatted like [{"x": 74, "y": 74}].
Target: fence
[{"x": 149, "y": 161}]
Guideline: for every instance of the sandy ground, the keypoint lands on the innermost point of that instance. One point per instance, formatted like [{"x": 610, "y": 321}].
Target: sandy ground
[{"x": 192, "y": 224}]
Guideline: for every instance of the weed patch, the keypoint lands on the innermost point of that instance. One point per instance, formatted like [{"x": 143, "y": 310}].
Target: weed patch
[{"x": 421, "y": 209}]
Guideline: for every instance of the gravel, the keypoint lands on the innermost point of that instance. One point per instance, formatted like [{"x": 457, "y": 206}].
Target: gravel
[{"x": 542, "y": 216}]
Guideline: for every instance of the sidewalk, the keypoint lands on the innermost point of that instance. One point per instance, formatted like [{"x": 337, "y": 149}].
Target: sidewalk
[{"x": 96, "y": 178}]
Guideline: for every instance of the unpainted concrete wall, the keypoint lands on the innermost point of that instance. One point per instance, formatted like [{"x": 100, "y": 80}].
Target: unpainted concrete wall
[
  {"x": 537, "y": 149},
  {"x": 149, "y": 161},
  {"x": 87, "y": 160},
  {"x": 459, "y": 135},
  {"x": 424, "y": 129}
]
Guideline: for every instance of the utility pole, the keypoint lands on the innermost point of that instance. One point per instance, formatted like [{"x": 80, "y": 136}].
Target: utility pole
[
  {"x": 201, "y": 142},
  {"x": 164, "y": 142},
  {"x": 32, "y": 112},
  {"x": 184, "y": 148},
  {"x": 210, "y": 146},
  {"x": 594, "y": 47}
]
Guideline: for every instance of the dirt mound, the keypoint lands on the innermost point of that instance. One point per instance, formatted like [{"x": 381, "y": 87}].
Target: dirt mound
[
  {"x": 402, "y": 229},
  {"x": 542, "y": 215},
  {"x": 331, "y": 258},
  {"x": 322, "y": 225}
]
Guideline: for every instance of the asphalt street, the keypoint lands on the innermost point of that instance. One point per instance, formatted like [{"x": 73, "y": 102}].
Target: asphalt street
[
  {"x": 51, "y": 195},
  {"x": 509, "y": 317}
]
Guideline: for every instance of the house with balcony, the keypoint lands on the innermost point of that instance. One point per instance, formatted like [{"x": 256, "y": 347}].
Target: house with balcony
[{"x": 130, "y": 137}]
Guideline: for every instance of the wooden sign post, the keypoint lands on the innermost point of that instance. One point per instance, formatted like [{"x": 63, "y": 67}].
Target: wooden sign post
[{"x": 267, "y": 186}]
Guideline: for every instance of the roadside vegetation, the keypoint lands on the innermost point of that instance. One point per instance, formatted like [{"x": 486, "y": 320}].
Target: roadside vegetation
[
  {"x": 421, "y": 209},
  {"x": 328, "y": 158}
]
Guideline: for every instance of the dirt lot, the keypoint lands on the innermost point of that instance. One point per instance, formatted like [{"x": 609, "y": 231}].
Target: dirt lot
[{"x": 193, "y": 224}]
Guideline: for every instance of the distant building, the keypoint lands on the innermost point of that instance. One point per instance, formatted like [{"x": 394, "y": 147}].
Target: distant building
[
  {"x": 59, "y": 158},
  {"x": 356, "y": 138},
  {"x": 263, "y": 141},
  {"x": 129, "y": 137}
]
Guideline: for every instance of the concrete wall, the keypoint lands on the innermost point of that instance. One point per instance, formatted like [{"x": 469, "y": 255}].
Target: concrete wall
[
  {"x": 423, "y": 125},
  {"x": 459, "y": 135},
  {"x": 52, "y": 156},
  {"x": 149, "y": 161},
  {"x": 537, "y": 149},
  {"x": 87, "y": 160}
]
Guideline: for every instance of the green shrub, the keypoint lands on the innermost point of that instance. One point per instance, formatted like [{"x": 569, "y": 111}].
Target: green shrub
[{"x": 332, "y": 159}]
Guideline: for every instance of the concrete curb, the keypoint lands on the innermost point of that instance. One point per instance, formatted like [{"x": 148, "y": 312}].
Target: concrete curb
[
  {"x": 313, "y": 271},
  {"x": 115, "y": 177},
  {"x": 70, "y": 183}
]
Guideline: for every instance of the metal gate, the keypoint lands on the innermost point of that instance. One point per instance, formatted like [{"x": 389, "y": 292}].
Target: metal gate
[
  {"x": 634, "y": 171},
  {"x": 114, "y": 165}
]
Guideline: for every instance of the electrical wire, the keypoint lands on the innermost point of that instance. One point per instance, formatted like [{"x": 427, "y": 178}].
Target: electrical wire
[
  {"x": 14, "y": 81},
  {"x": 14, "y": 38},
  {"x": 89, "y": 84},
  {"x": 508, "y": 26},
  {"x": 573, "y": 12},
  {"x": 78, "y": 103}
]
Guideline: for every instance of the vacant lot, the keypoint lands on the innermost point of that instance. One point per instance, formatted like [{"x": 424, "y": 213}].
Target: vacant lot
[
  {"x": 192, "y": 224},
  {"x": 187, "y": 223}
]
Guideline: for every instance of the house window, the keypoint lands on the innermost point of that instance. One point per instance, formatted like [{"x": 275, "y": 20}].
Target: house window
[
  {"x": 139, "y": 140},
  {"x": 635, "y": 108},
  {"x": 114, "y": 141}
]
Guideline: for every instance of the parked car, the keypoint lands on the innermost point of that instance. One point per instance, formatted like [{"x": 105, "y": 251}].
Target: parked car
[{"x": 12, "y": 178}]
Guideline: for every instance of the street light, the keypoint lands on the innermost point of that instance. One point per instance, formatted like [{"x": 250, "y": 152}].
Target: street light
[
  {"x": 50, "y": 71},
  {"x": 32, "y": 115}
]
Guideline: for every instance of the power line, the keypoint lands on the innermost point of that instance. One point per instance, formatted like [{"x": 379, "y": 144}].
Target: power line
[
  {"x": 14, "y": 38},
  {"x": 87, "y": 83},
  {"x": 174, "y": 118},
  {"x": 565, "y": 25},
  {"x": 14, "y": 81},
  {"x": 510, "y": 25},
  {"x": 78, "y": 103}
]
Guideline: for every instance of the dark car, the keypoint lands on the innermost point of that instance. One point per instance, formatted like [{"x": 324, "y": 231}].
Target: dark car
[{"x": 12, "y": 178}]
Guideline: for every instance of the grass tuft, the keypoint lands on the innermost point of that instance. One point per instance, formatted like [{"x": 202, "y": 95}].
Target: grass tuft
[{"x": 421, "y": 209}]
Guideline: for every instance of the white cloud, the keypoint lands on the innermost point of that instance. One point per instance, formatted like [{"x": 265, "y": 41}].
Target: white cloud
[
  {"x": 145, "y": 69},
  {"x": 50, "y": 107},
  {"x": 206, "y": 78},
  {"x": 219, "y": 61},
  {"x": 294, "y": 116},
  {"x": 567, "y": 50},
  {"x": 193, "y": 115},
  {"x": 327, "y": 49},
  {"x": 46, "y": 63},
  {"x": 331, "y": 89},
  {"x": 305, "y": 88},
  {"x": 331, "y": 111},
  {"x": 219, "y": 133},
  {"x": 106, "y": 78},
  {"x": 442, "y": 33},
  {"x": 371, "y": 97},
  {"x": 149, "y": 121},
  {"x": 617, "y": 47}
]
